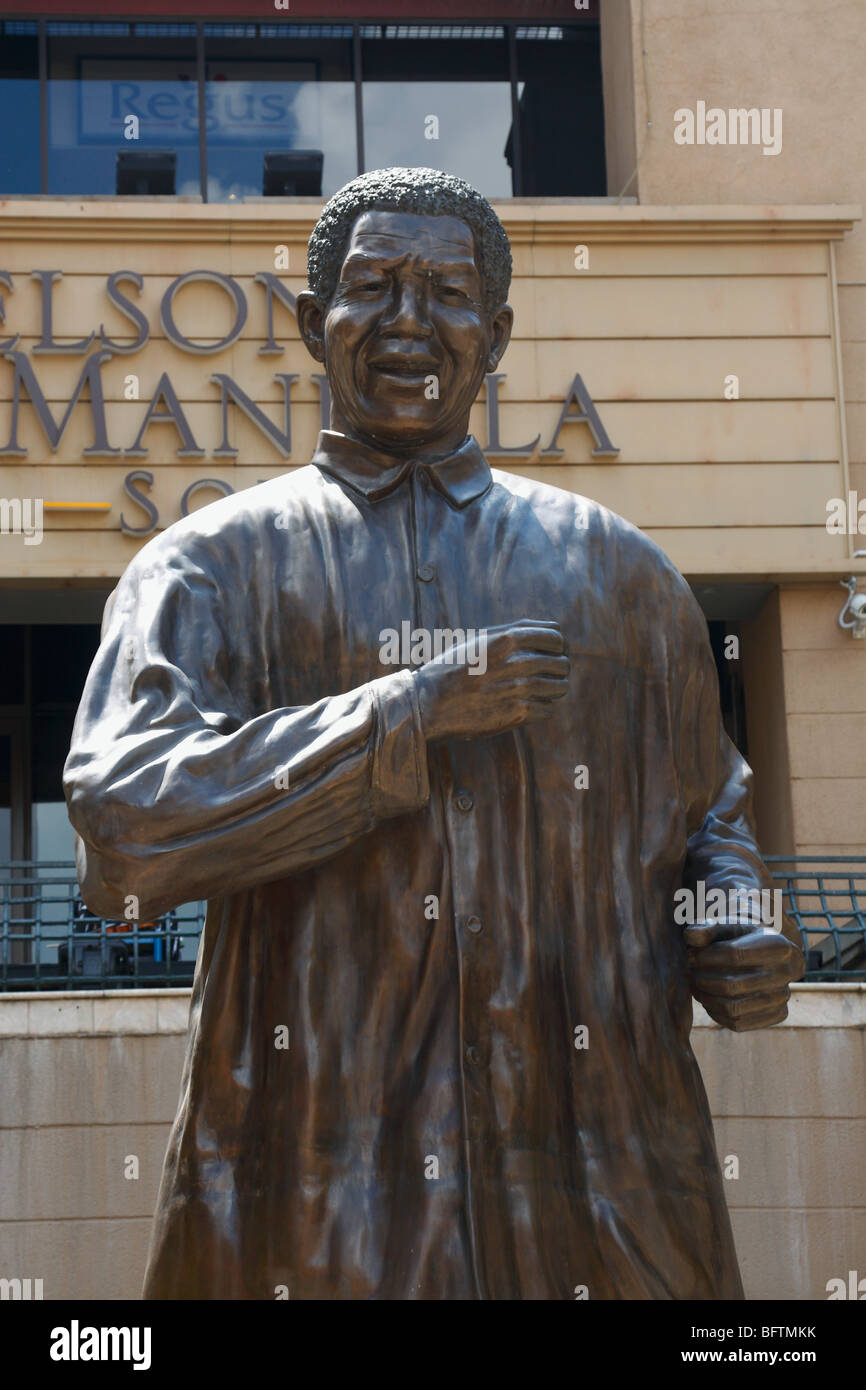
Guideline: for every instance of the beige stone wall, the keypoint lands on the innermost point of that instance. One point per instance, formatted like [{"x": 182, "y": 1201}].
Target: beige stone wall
[
  {"x": 673, "y": 301},
  {"x": 810, "y": 66},
  {"x": 825, "y": 707},
  {"x": 741, "y": 54},
  {"x": 92, "y": 1079},
  {"x": 618, "y": 87},
  {"x": 805, "y": 684}
]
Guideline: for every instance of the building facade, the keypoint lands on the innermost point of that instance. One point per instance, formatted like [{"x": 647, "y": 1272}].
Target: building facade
[
  {"x": 683, "y": 194},
  {"x": 708, "y": 296}
]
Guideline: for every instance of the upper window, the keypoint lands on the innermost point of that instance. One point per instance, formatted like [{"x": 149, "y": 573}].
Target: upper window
[
  {"x": 439, "y": 96},
  {"x": 19, "y": 108},
  {"x": 280, "y": 110},
  {"x": 122, "y": 109},
  {"x": 244, "y": 110},
  {"x": 560, "y": 111}
]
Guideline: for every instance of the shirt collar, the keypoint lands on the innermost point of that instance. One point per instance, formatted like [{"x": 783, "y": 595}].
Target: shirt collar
[{"x": 461, "y": 476}]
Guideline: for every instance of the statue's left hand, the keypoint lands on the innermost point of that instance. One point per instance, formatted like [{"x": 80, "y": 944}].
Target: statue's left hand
[{"x": 740, "y": 974}]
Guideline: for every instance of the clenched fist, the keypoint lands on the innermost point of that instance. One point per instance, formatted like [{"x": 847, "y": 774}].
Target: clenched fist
[
  {"x": 527, "y": 672},
  {"x": 741, "y": 974}
]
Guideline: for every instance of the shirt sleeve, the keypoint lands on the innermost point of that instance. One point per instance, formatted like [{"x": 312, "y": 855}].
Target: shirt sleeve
[{"x": 175, "y": 795}]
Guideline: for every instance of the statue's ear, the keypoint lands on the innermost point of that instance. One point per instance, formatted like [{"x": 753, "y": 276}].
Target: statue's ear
[
  {"x": 311, "y": 323},
  {"x": 501, "y": 325}
]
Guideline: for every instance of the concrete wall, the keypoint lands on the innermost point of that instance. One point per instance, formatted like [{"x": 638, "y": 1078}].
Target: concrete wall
[
  {"x": 790, "y": 1104},
  {"x": 87, "y": 1080},
  {"x": 90, "y": 1080}
]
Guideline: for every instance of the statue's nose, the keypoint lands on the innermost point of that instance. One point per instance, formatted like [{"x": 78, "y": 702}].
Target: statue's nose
[{"x": 408, "y": 314}]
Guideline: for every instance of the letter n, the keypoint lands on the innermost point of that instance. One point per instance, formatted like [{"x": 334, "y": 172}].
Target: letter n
[{"x": 280, "y": 438}]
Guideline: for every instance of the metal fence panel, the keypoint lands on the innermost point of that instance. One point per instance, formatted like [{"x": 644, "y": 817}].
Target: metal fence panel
[{"x": 49, "y": 940}]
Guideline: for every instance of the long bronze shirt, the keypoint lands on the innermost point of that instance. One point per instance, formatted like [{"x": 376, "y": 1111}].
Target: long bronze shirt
[{"x": 498, "y": 1101}]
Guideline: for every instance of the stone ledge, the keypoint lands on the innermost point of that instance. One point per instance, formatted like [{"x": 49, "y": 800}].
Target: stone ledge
[
  {"x": 529, "y": 221},
  {"x": 149, "y": 1012},
  {"x": 813, "y": 1006},
  {"x": 94, "y": 1013}
]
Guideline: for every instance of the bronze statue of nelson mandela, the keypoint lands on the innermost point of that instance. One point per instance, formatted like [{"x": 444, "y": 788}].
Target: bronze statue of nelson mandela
[{"x": 439, "y": 1040}]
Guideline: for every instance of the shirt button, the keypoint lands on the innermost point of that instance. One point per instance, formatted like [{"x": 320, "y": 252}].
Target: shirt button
[
  {"x": 473, "y": 1055},
  {"x": 426, "y": 573},
  {"x": 465, "y": 801},
  {"x": 474, "y": 924}
]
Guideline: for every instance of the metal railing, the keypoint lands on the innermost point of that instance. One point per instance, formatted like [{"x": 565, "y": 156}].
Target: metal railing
[
  {"x": 49, "y": 940},
  {"x": 825, "y": 896}
]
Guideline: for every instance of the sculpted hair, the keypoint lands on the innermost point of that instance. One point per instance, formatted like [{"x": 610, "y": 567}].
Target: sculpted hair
[{"x": 422, "y": 191}]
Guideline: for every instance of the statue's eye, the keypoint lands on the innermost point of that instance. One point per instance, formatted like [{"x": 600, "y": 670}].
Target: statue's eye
[
  {"x": 452, "y": 291},
  {"x": 371, "y": 285}
]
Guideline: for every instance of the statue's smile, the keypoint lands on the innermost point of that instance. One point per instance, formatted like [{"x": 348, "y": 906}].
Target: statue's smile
[
  {"x": 405, "y": 368},
  {"x": 403, "y": 363}
]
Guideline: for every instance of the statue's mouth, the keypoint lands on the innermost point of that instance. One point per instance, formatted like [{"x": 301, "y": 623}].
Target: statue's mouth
[{"x": 414, "y": 368}]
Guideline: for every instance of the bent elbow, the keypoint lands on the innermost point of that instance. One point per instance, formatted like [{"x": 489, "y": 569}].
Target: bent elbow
[
  {"x": 118, "y": 887},
  {"x": 98, "y": 882}
]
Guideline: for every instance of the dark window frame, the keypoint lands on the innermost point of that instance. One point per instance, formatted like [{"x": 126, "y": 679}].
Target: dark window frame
[{"x": 510, "y": 26}]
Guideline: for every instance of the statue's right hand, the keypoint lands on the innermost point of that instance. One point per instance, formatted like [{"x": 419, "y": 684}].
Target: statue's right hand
[{"x": 526, "y": 673}]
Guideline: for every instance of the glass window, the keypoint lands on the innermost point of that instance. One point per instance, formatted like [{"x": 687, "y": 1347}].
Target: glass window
[
  {"x": 52, "y": 842},
  {"x": 561, "y": 112},
  {"x": 60, "y": 659},
  {"x": 19, "y": 108},
  {"x": 61, "y": 656},
  {"x": 280, "y": 107},
  {"x": 732, "y": 696},
  {"x": 34, "y": 826},
  {"x": 5, "y": 797},
  {"x": 280, "y": 110},
  {"x": 13, "y": 670},
  {"x": 439, "y": 95},
  {"x": 122, "y": 109}
]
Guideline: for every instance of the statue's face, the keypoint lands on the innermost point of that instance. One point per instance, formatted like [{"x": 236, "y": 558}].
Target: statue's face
[{"x": 406, "y": 339}]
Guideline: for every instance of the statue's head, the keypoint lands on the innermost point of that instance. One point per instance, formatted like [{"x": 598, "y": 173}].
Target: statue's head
[{"x": 409, "y": 271}]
